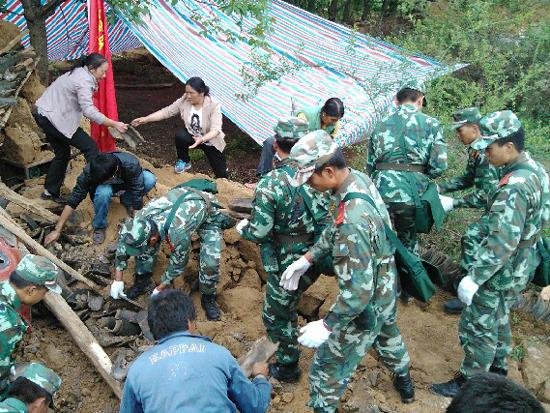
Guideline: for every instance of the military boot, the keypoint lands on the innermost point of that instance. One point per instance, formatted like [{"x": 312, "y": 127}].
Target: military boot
[
  {"x": 404, "y": 385},
  {"x": 449, "y": 388},
  {"x": 454, "y": 306},
  {"x": 289, "y": 373},
  {"x": 498, "y": 370},
  {"x": 208, "y": 302},
  {"x": 142, "y": 282}
]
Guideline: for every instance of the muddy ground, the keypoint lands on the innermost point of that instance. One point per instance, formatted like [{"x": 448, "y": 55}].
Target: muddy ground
[{"x": 429, "y": 333}]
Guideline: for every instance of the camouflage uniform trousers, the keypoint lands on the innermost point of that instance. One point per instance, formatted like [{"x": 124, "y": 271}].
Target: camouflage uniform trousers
[
  {"x": 402, "y": 217},
  {"x": 484, "y": 331},
  {"x": 337, "y": 359},
  {"x": 280, "y": 316},
  {"x": 209, "y": 258}
]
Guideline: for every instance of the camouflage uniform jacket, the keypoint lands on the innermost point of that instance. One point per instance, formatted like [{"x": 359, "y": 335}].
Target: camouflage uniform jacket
[
  {"x": 480, "y": 174},
  {"x": 192, "y": 215},
  {"x": 424, "y": 146},
  {"x": 359, "y": 246},
  {"x": 13, "y": 405},
  {"x": 279, "y": 209},
  {"x": 518, "y": 210},
  {"x": 12, "y": 328}
]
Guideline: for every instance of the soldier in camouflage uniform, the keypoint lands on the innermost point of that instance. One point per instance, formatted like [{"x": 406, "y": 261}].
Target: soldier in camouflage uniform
[
  {"x": 364, "y": 313},
  {"x": 507, "y": 255},
  {"x": 142, "y": 237},
  {"x": 284, "y": 226},
  {"x": 395, "y": 169},
  {"x": 28, "y": 284},
  {"x": 480, "y": 175},
  {"x": 31, "y": 378}
]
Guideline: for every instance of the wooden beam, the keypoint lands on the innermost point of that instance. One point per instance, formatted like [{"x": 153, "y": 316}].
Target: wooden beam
[{"x": 27, "y": 204}]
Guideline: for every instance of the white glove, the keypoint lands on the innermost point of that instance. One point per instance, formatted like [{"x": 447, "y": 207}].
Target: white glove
[
  {"x": 447, "y": 202},
  {"x": 291, "y": 276},
  {"x": 155, "y": 292},
  {"x": 545, "y": 293},
  {"x": 117, "y": 289},
  {"x": 314, "y": 334},
  {"x": 467, "y": 289},
  {"x": 240, "y": 226}
]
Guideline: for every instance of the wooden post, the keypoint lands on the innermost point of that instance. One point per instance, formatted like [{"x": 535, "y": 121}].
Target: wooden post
[{"x": 83, "y": 338}]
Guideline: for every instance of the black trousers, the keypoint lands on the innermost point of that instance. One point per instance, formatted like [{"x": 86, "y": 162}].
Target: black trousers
[
  {"x": 216, "y": 158},
  {"x": 61, "y": 146}
]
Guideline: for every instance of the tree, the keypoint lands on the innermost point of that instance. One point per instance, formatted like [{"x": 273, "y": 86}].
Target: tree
[{"x": 36, "y": 12}]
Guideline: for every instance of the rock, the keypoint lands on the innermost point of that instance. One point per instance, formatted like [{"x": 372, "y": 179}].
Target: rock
[
  {"x": 251, "y": 252},
  {"x": 373, "y": 377},
  {"x": 309, "y": 305},
  {"x": 231, "y": 236},
  {"x": 535, "y": 364},
  {"x": 544, "y": 393},
  {"x": 287, "y": 397},
  {"x": 316, "y": 297}
]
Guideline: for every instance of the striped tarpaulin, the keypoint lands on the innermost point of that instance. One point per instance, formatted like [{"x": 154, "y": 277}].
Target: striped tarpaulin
[{"x": 330, "y": 60}]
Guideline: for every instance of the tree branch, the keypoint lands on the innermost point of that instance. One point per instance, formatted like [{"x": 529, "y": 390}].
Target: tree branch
[{"x": 48, "y": 9}]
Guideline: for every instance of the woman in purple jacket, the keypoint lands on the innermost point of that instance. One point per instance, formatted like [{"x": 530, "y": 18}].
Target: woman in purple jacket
[{"x": 59, "y": 111}]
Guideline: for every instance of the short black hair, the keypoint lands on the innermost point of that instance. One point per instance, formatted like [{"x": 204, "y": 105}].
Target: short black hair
[
  {"x": 333, "y": 107},
  {"x": 169, "y": 312},
  {"x": 285, "y": 144},
  {"x": 338, "y": 160},
  {"x": 27, "y": 391},
  {"x": 517, "y": 138},
  {"x": 493, "y": 393},
  {"x": 408, "y": 95},
  {"x": 103, "y": 167},
  {"x": 20, "y": 282}
]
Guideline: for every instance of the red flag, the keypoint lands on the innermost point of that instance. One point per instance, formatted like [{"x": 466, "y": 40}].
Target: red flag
[{"x": 104, "y": 98}]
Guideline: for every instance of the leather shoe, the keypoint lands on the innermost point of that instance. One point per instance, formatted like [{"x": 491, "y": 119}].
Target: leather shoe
[
  {"x": 454, "y": 306},
  {"x": 449, "y": 388},
  {"x": 404, "y": 385},
  {"x": 210, "y": 306},
  {"x": 289, "y": 373}
]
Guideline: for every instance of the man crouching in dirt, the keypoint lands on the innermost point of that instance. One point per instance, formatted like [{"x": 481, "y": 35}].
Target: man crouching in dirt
[
  {"x": 107, "y": 175},
  {"x": 284, "y": 220},
  {"x": 32, "y": 389},
  {"x": 173, "y": 218},
  {"x": 364, "y": 313},
  {"x": 28, "y": 284},
  {"x": 187, "y": 373}
]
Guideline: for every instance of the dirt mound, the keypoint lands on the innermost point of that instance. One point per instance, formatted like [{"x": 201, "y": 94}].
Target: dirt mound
[{"x": 7, "y": 32}]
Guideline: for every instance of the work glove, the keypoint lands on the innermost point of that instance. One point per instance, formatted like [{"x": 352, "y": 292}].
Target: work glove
[
  {"x": 291, "y": 276},
  {"x": 545, "y": 293},
  {"x": 314, "y": 334},
  {"x": 467, "y": 289},
  {"x": 155, "y": 292},
  {"x": 240, "y": 226},
  {"x": 117, "y": 289},
  {"x": 447, "y": 202}
]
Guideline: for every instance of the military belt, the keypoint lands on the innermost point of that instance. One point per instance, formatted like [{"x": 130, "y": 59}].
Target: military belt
[
  {"x": 285, "y": 239},
  {"x": 409, "y": 167},
  {"x": 528, "y": 243}
]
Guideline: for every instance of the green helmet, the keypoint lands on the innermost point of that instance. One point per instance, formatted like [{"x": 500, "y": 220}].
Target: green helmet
[
  {"x": 495, "y": 126},
  {"x": 39, "y": 374},
  {"x": 291, "y": 128},
  {"x": 39, "y": 270}
]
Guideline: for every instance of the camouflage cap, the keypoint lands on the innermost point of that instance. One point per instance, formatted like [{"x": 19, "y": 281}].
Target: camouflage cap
[
  {"x": 135, "y": 234},
  {"x": 415, "y": 84},
  {"x": 39, "y": 374},
  {"x": 310, "y": 152},
  {"x": 494, "y": 126},
  {"x": 39, "y": 270},
  {"x": 291, "y": 128},
  {"x": 464, "y": 116}
]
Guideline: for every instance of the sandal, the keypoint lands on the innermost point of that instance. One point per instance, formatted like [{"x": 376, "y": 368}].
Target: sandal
[{"x": 99, "y": 236}]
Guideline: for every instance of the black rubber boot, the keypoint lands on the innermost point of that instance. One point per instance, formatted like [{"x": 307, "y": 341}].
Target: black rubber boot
[
  {"x": 454, "y": 306},
  {"x": 404, "y": 385},
  {"x": 498, "y": 370},
  {"x": 142, "y": 282},
  {"x": 450, "y": 388},
  {"x": 208, "y": 302},
  {"x": 289, "y": 373}
]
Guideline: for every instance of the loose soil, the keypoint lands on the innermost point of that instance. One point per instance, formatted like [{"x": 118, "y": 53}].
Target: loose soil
[{"x": 430, "y": 335}]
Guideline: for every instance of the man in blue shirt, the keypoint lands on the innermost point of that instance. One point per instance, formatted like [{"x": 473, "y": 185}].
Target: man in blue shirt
[{"x": 187, "y": 373}]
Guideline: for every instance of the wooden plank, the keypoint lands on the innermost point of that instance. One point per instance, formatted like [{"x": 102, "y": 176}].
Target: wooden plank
[
  {"x": 261, "y": 351},
  {"x": 27, "y": 204}
]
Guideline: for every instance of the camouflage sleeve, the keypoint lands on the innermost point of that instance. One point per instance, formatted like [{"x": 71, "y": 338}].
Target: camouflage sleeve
[
  {"x": 371, "y": 156},
  {"x": 9, "y": 337},
  {"x": 437, "y": 162},
  {"x": 324, "y": 244},
  {"x": 262, "y": 217},
  {"x": 485, "y": 183},
  {"x": 463, "y": 181},
  {"x": 121, "y": 257},
  {"x": 354, "y": 268},
  {"x": 176, "y": 263},
  {"x": 505, "y": 223}
]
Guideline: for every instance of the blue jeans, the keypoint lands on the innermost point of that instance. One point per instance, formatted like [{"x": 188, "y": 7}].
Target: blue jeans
[
  {"x": 266, "y": 158},
  {"x": 104, "y": 193}
]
